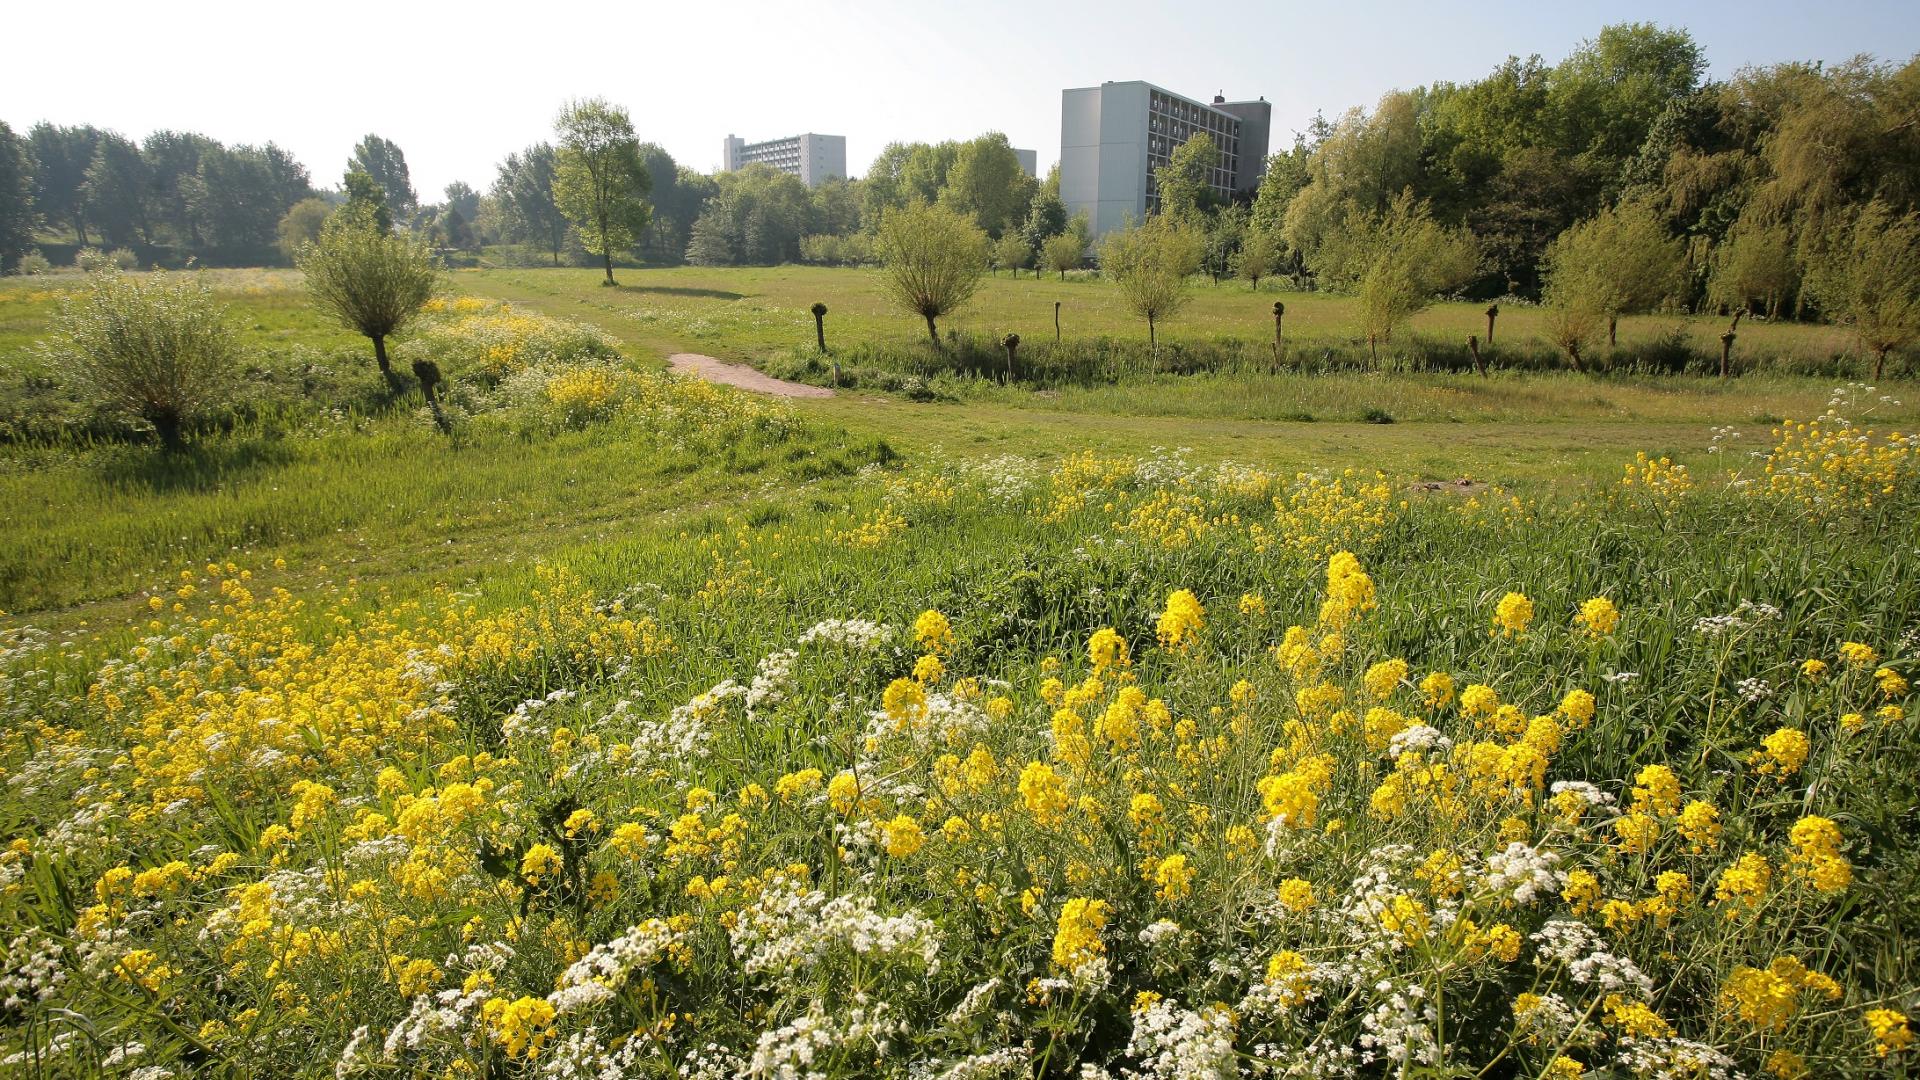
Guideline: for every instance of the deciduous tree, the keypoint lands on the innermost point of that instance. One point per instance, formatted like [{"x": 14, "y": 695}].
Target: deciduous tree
[
  {"x": 1398, "y": 261},
  {"x": 1183, "y": 182},
  {"x": 599, "y": 181},
  {"x": 1632, "y": 261},
  {"x": 116, "y": 190},
  {"x": 1063, "y": 252},
  {"x": 301, "y": 225},
  {"x": 1011, "y": 252},
  {"x": 373, "y": 282},
  {"x": 1150, "y": 262},
  {"x": 383, "y": 160},
  {"x": 1867, "y": 276},
  {"x": 524, "y": 191},
  {"x": 986, "y": 182},
  {"x": 1259, "y": 250},
  {"x": 16, "y": 198},
  {"x": 366, "y": 201},
  {"x": 61, "y": 156},
  {"x": 157, "y": 348},
  {"x": 1755, "y": 262},
  {"x": 932, "y": 257}
]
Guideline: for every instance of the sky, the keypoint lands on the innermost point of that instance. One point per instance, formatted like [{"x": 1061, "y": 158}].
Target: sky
[{"x": 461, "y": 86}]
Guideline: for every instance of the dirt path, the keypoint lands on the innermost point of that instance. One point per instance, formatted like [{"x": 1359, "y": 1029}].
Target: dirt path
[{"x": 742, "y": 376}]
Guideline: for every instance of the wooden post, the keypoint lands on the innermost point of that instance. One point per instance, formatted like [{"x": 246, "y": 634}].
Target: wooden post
[
  {"x": 1493, "y": 312},
  {"x": 820, "y": 336},
  {"x": 428, "y": 373},
  {"x": 1056, "y": 322},
  {"x": 1010, "y": 343},
  {"x": 1473, "y": 346},
  {"x": 1726, "y": 352},
  {"x": 1279, "y": 341}
]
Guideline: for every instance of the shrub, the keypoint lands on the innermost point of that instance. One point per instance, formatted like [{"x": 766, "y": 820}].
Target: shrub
[
  {"x": 33, "y": 262},
  {"x": 933, "y": 258},
  {"x": 124, "y": 259},
  {"x": 156, "y": 348},
  {"x": 489, "y": 343},
  {"x": 373, "y": 283},
  {"x": 1670, "y": 353}
]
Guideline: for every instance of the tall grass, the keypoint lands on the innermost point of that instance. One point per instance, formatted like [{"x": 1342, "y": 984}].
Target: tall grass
[{"x": 1005, "y": 858}]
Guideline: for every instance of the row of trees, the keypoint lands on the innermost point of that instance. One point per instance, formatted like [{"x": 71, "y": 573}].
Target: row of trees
[
  {"x": 1753, "y": 177},
  {"x": 173, "y": 189},
  {"x": 184, "y": 195},
  {"x": 1616, "y": 181},
  {"x": 161, "y": 349}
]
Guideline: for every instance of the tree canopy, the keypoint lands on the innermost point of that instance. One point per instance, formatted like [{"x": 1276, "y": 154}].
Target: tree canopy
[
  {"x": 599, "y": 182},
  {"x": 932, "y": 257}
]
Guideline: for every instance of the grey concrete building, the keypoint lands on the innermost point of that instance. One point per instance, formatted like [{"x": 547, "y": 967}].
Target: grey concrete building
[
  {"x": 1113, "y": 136},
  {"x": 812, "y": 158},
  {"x": 1029, "y": 161}
]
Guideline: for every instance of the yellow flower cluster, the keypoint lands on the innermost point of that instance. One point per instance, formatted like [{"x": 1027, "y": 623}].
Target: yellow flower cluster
[
  {"x": 1830, "y": 465},
  {"x": 1180, "y": 624}
]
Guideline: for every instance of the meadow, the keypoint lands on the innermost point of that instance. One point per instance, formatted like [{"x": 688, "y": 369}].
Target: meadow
[{"x": 1107, "y": 728}]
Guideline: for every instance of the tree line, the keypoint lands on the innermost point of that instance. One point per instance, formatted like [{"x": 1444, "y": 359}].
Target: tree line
[
  {"x": 1614, "y": 182},
  {"x": 1617, "y": 180},
  {"x": 177, "y": 197},
  {"x": 1747, "y": 185}
]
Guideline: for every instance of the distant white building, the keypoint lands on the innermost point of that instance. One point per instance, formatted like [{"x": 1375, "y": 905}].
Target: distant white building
[
  {"x": 1029, "y": 161},
  {"x": 812, "y": 158},
  {"x": 1113, "y": 136}
]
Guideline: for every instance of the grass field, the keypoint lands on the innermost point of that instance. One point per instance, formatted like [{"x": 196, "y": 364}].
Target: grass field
[
  {"x": 744, "y": 314},
  {"x": 649, "y": 728}
]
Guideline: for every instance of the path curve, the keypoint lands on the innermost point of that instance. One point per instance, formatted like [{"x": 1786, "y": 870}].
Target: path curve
[{"x": 716, "y": 370}]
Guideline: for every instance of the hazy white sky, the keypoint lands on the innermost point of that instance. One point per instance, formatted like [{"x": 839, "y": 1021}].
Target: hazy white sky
[{"x": 459, "y": 86}]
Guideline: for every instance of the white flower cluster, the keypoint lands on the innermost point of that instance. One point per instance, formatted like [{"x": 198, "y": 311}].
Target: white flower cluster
[
  {"x": 46, "y": 1053},
  {"x": 1520, "y": 873},
  {"x": 1162, "y": 932},
  {"x": 1674, "y": 1059},
  {"x": 1175, "y": 1043},
  {"x": 684, "y": 734},
  {"x": 788, "y": 929},
  {"x": 945, "y": 719},
  {"x": 1586, "y": 792},
  {"x": 1612, "y": 973},
  {"x": 1419, "y": 738},
  {"x": 1005, "y": 479},
  {"x": 19, "y": 642},
  {"x": 482, "y": 956},
  {"x": 431, "y": 1018},
  {"x": 1006, "y": 1063},
  {"x": 1563, "y": 941},
  {"x": 1400, "y": 1028},
  {"x": 792, "y": 1051},
  {"x": 607, "y": 967},
  {"x": 32, "y": 969},
  {"x": 861, "y": 634},
  {"x": 1587, "y": 958},
  {"x": 526, "y": 721},
  {"x": 1161, "y": 467},
  {"x": 712, "y": 1062},
  {"x": 772, "y": 679},
  {"x": 1551, "y": 1021},
  {"x": 978, "y": 997},
  {"x": 1754, "y": 690},
  {"x": 1746, "y": 614}
]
